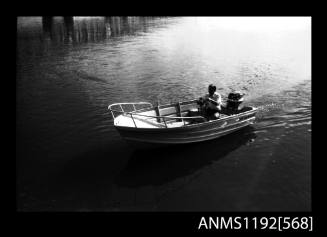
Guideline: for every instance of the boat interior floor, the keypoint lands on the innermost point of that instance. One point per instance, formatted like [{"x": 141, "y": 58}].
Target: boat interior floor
[{"x": 141, "y": 122}]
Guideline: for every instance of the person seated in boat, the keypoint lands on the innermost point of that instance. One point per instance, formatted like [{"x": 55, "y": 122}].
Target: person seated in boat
[{"x": 211, "y": 103}]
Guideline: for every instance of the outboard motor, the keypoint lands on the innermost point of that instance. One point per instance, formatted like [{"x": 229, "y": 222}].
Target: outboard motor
[{"x": 233, "y": 102}]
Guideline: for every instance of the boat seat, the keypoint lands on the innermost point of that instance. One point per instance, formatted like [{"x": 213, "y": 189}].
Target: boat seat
[{"x": 177, "y": 124}]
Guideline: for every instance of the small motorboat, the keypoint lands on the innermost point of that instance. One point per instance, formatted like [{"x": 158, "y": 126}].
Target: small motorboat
[{"x": 179, "y": 123}]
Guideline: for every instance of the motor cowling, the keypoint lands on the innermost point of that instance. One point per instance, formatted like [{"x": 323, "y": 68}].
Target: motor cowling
[{"x": 234, "y": 100}]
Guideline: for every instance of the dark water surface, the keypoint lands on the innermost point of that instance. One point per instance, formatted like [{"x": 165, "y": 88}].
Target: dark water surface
[{"x": 69, "y": 156}]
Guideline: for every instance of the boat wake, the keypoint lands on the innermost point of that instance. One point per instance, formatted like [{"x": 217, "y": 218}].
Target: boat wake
[{"x": 288, "y": 109}]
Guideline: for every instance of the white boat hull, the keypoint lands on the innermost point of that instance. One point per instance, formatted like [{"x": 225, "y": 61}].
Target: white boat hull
[{"x": 188, "y": 134}]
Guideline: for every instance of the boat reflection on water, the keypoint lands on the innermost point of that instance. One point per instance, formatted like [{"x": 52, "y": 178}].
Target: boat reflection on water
[{"x": 160, "y": 165}]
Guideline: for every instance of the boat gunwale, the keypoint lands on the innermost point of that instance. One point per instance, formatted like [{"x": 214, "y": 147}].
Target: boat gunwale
[{"x": 253, "y": 110}]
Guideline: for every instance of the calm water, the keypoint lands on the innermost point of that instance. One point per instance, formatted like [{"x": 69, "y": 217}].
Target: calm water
[{"x": 69, "y": 156}]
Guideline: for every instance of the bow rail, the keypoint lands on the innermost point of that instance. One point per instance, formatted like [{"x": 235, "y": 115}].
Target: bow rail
[{"x": 121, "y": 106}]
